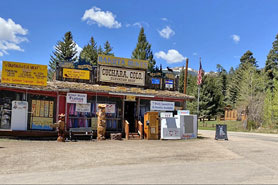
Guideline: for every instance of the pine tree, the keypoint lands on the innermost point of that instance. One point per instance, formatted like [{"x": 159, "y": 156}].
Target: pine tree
[
  {"x": 107, "y": 49},
  {"x": 247, "y": 57},
  {"x": 181, "y": 80},
  {"x": 99, "y": 50},
  {"x": 143, "y": 50},
  {"x": 65, "y": 50},
  {"x": 271, "y": 64},
  {"x": 89, "y": 53}
]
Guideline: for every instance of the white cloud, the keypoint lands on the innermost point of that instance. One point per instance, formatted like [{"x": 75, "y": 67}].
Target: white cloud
[
  {"x": 137, "y": 24},
  {"x": 102, "y": 18},
  {"x": 172, "y": 56},
  {"x": 166, "y": 32},
  {"x": 236, "y": 38},
  {"x": 11, "y": 36},
  {"x": 195, "y": 54},
  {"x": 79, "y": 49},
  {"x": 164, "y": 19}
]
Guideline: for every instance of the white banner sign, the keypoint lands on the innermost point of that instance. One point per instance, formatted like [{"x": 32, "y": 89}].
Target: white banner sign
[
  {"x": 122, "y": 76},
  {"x": 166, "y": 114},
  {"x": 83, "y": 107},
  {"x": 76, "y": 98},
  {"x": 110, "y": 108},
  {"x": 162, "y": 106}
]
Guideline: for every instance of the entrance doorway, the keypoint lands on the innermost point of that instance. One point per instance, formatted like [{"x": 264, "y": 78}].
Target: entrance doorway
[{"x": 130, "y": 114}]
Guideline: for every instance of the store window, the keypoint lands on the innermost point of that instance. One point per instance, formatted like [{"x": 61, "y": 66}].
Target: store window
[
  {"x": 6, "y": 98},
  {"x": 43, "y": 109},
  {"x": 88, "y": 117}
]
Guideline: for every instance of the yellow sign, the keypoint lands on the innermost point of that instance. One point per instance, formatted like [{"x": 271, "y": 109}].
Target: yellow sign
[
  {"x": 130, "y": 98},
  {"x": 122, "y": 62},
  {"x": 22, "y": 73},
  {"x": 76, "y": 74}
]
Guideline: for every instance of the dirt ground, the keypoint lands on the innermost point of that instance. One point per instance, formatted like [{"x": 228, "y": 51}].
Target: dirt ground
[
  {"x": 23, "y": 156},
  {"x": 245, "y": 158}
]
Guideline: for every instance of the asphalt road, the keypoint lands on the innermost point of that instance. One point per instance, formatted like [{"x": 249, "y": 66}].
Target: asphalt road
[{"x": 245, "y": 158}]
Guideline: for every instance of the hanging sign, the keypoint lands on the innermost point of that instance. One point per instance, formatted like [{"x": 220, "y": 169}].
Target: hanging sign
[
  {"x": 83, "y": 107},
  {"x": 122, "y": 76},
  {"x": 155, "y": 81},
  {"x": 183, "y": 112},
  {"x": 122, "y": 62},
  {"x": 130, "y": 98},
  {"x": 22, "y": 73},
  {"x": 162, "y": 106},
  {"x": 110, "y": 108},
  {"x": 76, "y": 74},
  {"x": 76, "y": 98},
  {"x": 169, "y": 84},
  {"x": 166, "y": 114}
]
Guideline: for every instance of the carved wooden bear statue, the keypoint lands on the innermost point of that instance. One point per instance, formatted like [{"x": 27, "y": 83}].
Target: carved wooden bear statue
[
  {"x": 60, "y": 125},
  {"x": 101, "y": 122}
]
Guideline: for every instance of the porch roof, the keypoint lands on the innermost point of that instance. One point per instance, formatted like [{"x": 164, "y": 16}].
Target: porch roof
[{"x": 62, "y": 86}]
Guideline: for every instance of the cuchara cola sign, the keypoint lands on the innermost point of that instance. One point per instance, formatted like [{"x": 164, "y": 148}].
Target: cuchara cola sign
[{"x": 122, "y": 76}]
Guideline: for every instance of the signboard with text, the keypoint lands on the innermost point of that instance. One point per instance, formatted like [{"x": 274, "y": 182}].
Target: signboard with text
[
  {"x": 162, "y": 106},
  {"x": 122, "y": 76},
  {"x": 76, "y": 74},
  {"x": 122, "y": 62},
  {"x": 83, "y": 107},
  {"x": 155, "y": 81},
  {"x": 76, "y": 98},
  {"x": 22, "y": 73}
]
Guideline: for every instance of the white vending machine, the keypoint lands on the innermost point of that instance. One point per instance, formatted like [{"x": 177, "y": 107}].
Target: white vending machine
[
  {"x": 19, "y": 115},
  {"x": 188, "y": 125},
  {"x": 170, "y": 128}
]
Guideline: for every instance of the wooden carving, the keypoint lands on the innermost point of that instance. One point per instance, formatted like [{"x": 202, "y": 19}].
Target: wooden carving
[
  {"x": 101, "y": 122},
  {"x": 60, "y": 125}
]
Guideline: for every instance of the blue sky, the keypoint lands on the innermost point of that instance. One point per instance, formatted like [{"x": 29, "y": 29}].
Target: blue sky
[{"x": 219, "y": 31}]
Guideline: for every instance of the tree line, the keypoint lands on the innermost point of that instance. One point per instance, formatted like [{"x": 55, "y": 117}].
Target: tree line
[{"x": 247, "y": 88}]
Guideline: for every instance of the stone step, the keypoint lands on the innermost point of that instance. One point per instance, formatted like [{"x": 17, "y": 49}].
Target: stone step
[{"x": 133, "y": 136}]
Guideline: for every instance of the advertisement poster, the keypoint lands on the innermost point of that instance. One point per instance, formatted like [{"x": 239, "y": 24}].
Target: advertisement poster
[
  {"x": 76, "y": 98},
  {"x": 42, "y": 108},
  {"x": 51, "y": 106},
  {"x": 169, "y": 84},
  {"x": 155, "y": 81},
  {"x": 76, "y": 74},
  {"x": 83, "y": 107},
  {"x": 34, "y": 104},
  {"x": 110, "y": 108},
  {"x": 41, "y": 123},
  {"x": 122, "y": 75},
  {"x": 162, "y": 106},
  {"x": 46, "y": 108},
  {"x": 38, "y": 108},
  {"x": 22, "y": 73}
]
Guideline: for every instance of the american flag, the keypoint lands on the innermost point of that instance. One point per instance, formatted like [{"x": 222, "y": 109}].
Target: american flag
[{"x": 200, "y": 74}]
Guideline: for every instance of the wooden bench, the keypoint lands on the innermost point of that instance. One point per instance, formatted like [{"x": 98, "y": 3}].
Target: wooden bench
[{"x": 82, "y": 131}]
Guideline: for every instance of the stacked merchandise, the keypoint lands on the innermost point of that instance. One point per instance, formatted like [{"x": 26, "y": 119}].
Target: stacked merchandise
[
  {"x": 78, "y": 119},
  {"x": 5, "y": 113}
]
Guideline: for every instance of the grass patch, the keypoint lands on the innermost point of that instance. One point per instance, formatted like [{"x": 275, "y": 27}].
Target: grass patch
[{"x": 235, "y": 126}]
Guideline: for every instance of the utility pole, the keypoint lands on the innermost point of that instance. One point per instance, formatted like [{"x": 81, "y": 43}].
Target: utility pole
[
  {"x": 185, "y": 82},
  {"x": 185, "y": 77}
]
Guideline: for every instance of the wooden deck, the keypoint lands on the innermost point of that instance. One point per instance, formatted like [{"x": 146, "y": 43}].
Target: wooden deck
[{"x": 28, "y": 134}]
